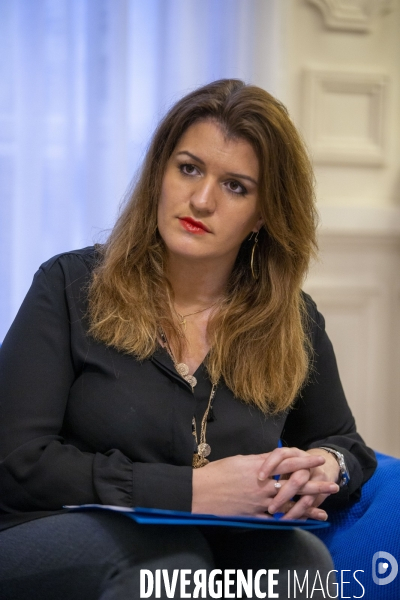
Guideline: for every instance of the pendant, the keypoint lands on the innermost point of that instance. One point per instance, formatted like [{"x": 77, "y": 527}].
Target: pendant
[
  {"x": 192, "y": 381},
  {"x": 182, "y": 369},
  {"x": 204, "y": 449},
  {"x": 199, "y": 461}
]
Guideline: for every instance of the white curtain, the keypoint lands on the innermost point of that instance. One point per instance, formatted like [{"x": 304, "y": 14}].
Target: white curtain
[{"x": 82, "y": 85}]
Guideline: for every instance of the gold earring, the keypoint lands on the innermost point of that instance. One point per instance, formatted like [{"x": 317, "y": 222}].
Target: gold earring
[{"x": 255, "y": 272}]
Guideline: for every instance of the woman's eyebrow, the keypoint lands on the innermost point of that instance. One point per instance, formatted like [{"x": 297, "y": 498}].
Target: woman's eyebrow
[
  {"x": 238, "y": 175},
  {"x": 191, "y": 156}
]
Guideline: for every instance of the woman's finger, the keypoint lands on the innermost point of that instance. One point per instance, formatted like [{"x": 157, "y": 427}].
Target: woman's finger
[
  {"x": 318, "y": 514},
  {"x": 304, "y": 508},
  {"x": 295, "y": 482},
  {"x": 315, "y": 488},
  {"x": 287, "y": 460},
  {"x": 299, "y": 484}
]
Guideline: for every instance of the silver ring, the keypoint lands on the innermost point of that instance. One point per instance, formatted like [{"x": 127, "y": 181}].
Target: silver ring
[{"x": 277, "y": 485}]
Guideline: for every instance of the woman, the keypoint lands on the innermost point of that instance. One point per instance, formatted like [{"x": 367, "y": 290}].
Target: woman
[{"x": 162, "y": 369}]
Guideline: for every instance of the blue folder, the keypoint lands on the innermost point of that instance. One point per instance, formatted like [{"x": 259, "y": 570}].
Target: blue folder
[{"x": 155, "y": 516}]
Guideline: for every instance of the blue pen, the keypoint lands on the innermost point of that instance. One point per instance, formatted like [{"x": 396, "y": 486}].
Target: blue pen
[{"x": 278, "y": 515}]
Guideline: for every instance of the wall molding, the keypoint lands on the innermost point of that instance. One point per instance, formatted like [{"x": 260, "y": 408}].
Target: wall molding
[
  {"x": 344, "y": 116},
  {"x": 340, "y": 293},
  {"x": 352, "y": 312},
  {"x": 352, "y": 15},
  {"x": 355, "y": 222},
  {"x": 356, "y": 284}
]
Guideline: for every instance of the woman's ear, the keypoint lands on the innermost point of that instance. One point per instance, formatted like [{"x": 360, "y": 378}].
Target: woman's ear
[{"x": 258, "y": 225}]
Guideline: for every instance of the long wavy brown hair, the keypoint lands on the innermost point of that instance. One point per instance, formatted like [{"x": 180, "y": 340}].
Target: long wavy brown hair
[{"x": 259, "y": 335}]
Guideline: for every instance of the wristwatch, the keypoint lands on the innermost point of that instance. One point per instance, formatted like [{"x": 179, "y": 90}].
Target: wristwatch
[{"x": 344, "y": 476}]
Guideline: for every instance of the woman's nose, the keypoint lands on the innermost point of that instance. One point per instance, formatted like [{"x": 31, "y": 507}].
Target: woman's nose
[{"x": 203, "y": 198}]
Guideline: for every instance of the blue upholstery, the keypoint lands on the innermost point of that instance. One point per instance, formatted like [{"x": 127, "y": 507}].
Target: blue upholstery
[{"x": 370, "y": 525}]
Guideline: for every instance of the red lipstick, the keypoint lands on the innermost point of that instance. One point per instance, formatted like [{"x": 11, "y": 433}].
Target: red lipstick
[{"x": 193, "y": 226}]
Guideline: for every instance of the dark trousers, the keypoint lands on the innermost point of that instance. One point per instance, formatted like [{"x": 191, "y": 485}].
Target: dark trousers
[{"x": 99, "y": 556}]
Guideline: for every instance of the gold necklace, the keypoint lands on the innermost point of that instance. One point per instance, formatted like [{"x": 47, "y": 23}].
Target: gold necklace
[
  {"x": 182, "y": 318},
  {"x": 182, "y": 367},
  {"x": 203, "y": 449}
]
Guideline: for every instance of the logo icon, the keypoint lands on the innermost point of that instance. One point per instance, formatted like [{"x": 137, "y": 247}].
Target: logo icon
[{"x": 381, "y": 561}]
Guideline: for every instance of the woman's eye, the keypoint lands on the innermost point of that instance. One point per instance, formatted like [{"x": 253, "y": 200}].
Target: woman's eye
[
  {"x": 236, "y": 188},
  {"x": 188, "y": 169}
]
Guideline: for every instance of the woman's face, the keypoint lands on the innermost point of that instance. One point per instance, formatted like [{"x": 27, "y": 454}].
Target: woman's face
[{"x": 209, "y": 196}]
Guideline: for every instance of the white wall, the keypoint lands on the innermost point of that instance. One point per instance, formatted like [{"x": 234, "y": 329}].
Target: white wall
[{"x": 340, "y": 79}]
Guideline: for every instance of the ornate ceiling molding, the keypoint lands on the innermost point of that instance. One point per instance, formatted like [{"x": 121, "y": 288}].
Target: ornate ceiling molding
[{"x": 352, "y": 15}]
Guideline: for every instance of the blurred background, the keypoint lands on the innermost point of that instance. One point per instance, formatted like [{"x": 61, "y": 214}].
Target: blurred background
[{"x": 84, "y": 82}]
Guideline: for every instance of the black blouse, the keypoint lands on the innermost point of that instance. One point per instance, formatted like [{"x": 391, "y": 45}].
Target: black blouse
[{"x": 81, "y": 422}]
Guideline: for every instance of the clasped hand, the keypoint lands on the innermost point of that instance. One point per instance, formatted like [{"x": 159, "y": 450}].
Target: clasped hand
[{"x": 244, "y": 485}]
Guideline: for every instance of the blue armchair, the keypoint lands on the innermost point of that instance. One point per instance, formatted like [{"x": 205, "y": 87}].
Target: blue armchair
[{"x": 368, "y": 526}]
